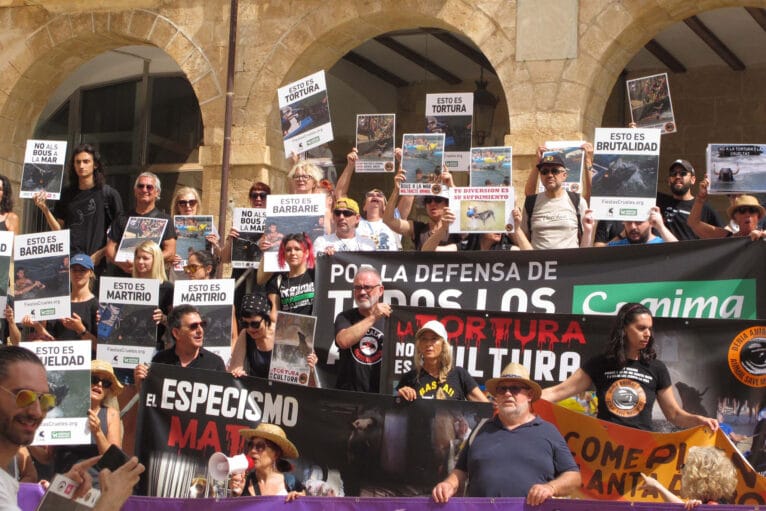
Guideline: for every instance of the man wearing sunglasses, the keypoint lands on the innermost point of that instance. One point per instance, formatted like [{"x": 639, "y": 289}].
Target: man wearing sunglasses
[
  {"x": 188, "y": 330},
  {"x": 551, "y": 219},
  {"x": 146, "y": 191},
  {"x": 345, "y": 217},
  {"x": 25, "y": 399},
  {"x": 515, "y": 454},
  {"x": 676, "y": 207}
]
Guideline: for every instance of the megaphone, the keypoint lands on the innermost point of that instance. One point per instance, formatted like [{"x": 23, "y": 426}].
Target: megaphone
[{"x": 220, "y": 466}]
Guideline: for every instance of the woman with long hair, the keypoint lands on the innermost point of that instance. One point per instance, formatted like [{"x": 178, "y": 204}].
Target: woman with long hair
[
  {"x": 9, "y": 221},
  {"x": 187, "y": 201},
  {"x": 267, "y": 446},
  {"x": 148, "y": 264},
  {"x": 433, "y": 375},
  {"x": 707, "y": 477},
  {"x": 291, "y": 291},
  {"x": 629, "y": 378}
]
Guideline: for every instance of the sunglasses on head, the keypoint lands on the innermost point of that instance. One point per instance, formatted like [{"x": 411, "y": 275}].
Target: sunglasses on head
[
  {"x": 343, "y": 212},
  {"x": 551, "y": 170},
  {"x": 26, "y": 397},
  {"x": 258, "y": 195},
  {"x": 747, "y": 210},
  {"x": 436, "y": 200},
  {"x": 681, "y": 173},
  {"x": 144, "y": 186},
  {"x": 196, "y": 325},
  {"x": 105, "y": 382},
  {"x": 252, "y": 324},
  {"x": 187, "y": 203},
  {"x": 513, "y": 389}
]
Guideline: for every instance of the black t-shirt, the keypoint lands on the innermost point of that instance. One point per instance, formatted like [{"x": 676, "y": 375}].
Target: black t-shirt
[
  {"x": 675, "y": 213},
  {"x": 359, "y": 366},
  {"x": 205, "y": 359},
  {"x": 294, "y": 294},
  {"x": 87, "y": 214},
  {"x": 626, "y": 395},
  {"x": 457, "y": 385},
  {"x": 607, "y": 230},
  {"x": 258, "y": 361},
  {"x": 87, "y": 311}
]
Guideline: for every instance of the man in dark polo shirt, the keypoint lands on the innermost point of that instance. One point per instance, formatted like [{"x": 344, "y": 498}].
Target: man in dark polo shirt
[{"x": 188, "y": 330}]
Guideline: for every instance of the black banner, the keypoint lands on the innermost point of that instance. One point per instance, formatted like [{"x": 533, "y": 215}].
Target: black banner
[
  {"x": 349, "y": 443},
  {"x": 694, "y": 279}
]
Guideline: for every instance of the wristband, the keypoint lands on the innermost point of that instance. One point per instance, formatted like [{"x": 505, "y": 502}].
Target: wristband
[{"x": 84, "y": 331}]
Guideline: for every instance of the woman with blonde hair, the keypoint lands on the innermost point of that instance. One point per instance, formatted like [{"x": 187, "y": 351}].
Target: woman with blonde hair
[
  {"x": 187, "y": 201},
  {"x": 434, "y": 377},
  {"x": 148, "y": 264},
  {"x": 707, "y": 477},
  {"x": 304, "y": 178}
]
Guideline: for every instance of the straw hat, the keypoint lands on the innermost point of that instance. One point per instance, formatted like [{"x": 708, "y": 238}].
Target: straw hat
[
  {"x": 105, "y": 369},
  {"x": 515, "y": 373},
  {"x": 273, "y": 433},
  {"x": 746, "y": 200}
]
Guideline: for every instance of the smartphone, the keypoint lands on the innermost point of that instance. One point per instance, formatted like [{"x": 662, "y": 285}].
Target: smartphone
[{"x": 113, "y": 458}]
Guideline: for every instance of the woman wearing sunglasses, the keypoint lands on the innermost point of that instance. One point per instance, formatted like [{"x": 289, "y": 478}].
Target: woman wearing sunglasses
[
  {"x": 103, "y": 422},
  {"x": 187, "y": 202},
  {"x": 433, "y": 376},
  {"x": 746, "y": 212},
  {"x": 252, "y": 352},
  {"x": 291, "y": 291},
  {"x": 268, "y": 447}
]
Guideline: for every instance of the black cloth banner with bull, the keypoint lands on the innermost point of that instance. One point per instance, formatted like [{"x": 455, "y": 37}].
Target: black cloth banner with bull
[
  {"x": 349, "y": 443},
  {"x": 717, "y": 366},
  {"x": 695, "y": 279}
]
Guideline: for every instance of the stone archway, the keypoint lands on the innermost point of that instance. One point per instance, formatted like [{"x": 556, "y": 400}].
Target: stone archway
[{"x": 64, "y": 42}]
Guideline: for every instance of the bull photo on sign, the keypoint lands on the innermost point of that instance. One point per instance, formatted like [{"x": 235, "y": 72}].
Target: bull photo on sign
[{"x": 624, "y": 175}]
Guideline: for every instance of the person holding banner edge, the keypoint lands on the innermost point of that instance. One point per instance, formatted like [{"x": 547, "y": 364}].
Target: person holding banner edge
[{"x": 629, "y": 378}]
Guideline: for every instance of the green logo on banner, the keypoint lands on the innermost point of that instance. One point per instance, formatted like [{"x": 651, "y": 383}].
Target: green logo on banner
[
  {"x": 716, "y": 299},
  {"x": 59, "y": 435}
]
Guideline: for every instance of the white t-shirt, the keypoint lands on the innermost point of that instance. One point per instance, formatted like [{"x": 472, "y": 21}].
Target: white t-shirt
[
  {"x": 384, "y": 238},
  {"x": 9, "y": 492},
  {"x": 554, "y": 222},
  {"x": 355, "y": 244}
]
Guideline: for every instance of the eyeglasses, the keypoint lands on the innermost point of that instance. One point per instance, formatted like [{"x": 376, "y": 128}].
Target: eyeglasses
[
  {"x": 144, "y": 186},
  {"x": 343, "y": 212},
  {"x": 258, "y": 195},
  {"x": 513, "y": 389},
  {"x": 187, "y": 203},
  {"x": 437, "y": 200},
  {"x": 681, "y": 173},
  {"x": 105, "y": 382},
  {"x": 259, "y": 446},
  {"x": 302, "y": 177},
  {"x": 551, "y": 170},
  {"x": 26, "y": 397},
  {"x": 191, "y": 268},
  {"x": 747, "y": 210},
  {"x": 252, "y": 324},
  {"x": 373, "y": 194},
  {"x": 366, "y": 289},
  {"x": 196, "y": 325}
]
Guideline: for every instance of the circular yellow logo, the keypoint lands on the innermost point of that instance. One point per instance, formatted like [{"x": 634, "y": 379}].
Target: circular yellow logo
[
  {"x": 747, "y": 356},
  {"x": 625, "y": 398}
]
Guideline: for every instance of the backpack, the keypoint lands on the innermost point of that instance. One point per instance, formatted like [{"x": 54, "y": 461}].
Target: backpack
[{"x": 529, "y": 206}]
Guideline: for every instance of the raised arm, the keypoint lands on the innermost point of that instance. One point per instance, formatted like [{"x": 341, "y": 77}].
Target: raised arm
[
  {"x": 344, "y": 180},
  {"x": 40, "y": 201},
  {"x": 587, "y": 177},
  {"x": 530, "y": 188},
  {"x": 703, "y": 229},
  {"x": 398, "y": 225},
  {"x": 655, "y": 220}
]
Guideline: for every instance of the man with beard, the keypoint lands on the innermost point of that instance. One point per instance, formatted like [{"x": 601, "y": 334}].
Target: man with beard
[
  {"x": 676, "y": 208},
  {"x": 359, "y": 335},
  {"x": 515, "y": 454},
  {"x": 345, "y": 216},
  {"x": 24, "y": 401},
  {"x": 641, "y": 233}
]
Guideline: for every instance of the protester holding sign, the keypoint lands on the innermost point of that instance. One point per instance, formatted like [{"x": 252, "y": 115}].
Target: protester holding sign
[
  {"x": 292, "y": 291},
  {"x": 434, "y": 377},
  {"x": 746, "y": 212},
  {"x": 629, "y": 378},
  {"x": 148, "y": 264}
]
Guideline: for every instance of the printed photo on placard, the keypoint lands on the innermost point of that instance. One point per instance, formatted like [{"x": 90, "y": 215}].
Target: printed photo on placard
[
  {"x": 736, "y": 168},
  {"x": 574, "y": 157},
  {"x": 305, "y": 114},
  {"x": 422, "y": 161},
  {"x": 6, "y": 252},
  {"x": 67, "y": 364},
  {"x": 491, "y": 166},
  {"x": 625, "y": 161},
  {"x": 215, "y": 300},
  {"x": 291, "y": 214},
  {"x": 650, "y": 104},
  {"x": 249, "y": 223},
  {"x": 138, "y": 230},
  {"x": 41, "y": 275},
  {"x": 375, "y": 135},
  {"x": 481, "y": 209},
  {"x": 127, "y": 334},
  {"x": 452, "y": 114},
  {"x": 293, "y": 342},
  {"x": 44, "y": 162}
]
